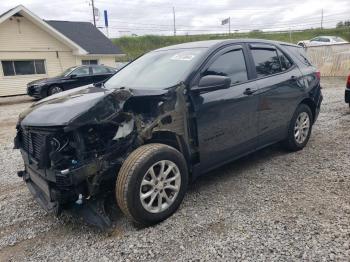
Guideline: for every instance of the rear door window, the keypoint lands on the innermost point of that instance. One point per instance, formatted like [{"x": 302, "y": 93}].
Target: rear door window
[
  {"x": 266, "y": 61},
  {"x": 99, "y": 70},
  {"x": 82, "y": 71},
  {"x": 231, "y": 64},
  {"x": 323, "y": 39}
]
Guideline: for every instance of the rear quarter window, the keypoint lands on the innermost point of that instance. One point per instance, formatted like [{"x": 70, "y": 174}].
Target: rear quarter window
[
  {"x": 286, "y": 63},
  {"x": 266, "y": 61},
  {"x": 299, "y": 53}
]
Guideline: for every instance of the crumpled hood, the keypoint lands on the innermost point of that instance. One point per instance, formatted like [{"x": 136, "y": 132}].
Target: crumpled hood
[{"x": 87, "y": 104}]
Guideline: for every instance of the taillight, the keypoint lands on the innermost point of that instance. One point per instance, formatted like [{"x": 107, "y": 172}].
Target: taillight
[
  {"x": 348, "y": 82},
  {"x": 318, "y": 75}
]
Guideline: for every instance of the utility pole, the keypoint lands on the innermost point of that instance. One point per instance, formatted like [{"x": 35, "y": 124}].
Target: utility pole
[
  {"x": 229, "y": 26},
  {"x": 322, "y": 19},
  {"x": 290, "y": 35},
  {"x": 93, "y": 11},
  {"x": 174, "y": 21}
]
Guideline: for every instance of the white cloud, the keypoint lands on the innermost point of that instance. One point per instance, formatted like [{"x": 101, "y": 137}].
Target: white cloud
[{"x": 155, "y": 16}]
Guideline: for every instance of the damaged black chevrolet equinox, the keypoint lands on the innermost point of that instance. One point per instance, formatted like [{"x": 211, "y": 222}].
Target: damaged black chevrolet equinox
[{"x": 163, "y": 120}]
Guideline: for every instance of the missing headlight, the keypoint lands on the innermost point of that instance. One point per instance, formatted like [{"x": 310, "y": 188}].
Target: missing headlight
[{"x": 124, "y": 129}]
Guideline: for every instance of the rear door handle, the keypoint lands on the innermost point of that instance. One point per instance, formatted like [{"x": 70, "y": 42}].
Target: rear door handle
[
  {"x": 249, "y": 91},
  {"x": 294, "y": 78}
]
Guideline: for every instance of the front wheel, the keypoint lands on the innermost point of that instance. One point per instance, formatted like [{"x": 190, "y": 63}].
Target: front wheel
[
  {"x": 54, "y": 90},
  {"x": 299, "y": 128},
  {"x": 152, "y": 183}
]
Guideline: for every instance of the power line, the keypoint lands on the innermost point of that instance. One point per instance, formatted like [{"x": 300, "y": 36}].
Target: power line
[
  {"x": 277, "y": 26},
  {"x": 209, "y": 28},
  {"x": 218, "y": 26},
  {"x": 174, "y": 21}
]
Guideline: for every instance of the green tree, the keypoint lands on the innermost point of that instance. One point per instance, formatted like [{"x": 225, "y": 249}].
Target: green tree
[{"x": 340, "y": 24}]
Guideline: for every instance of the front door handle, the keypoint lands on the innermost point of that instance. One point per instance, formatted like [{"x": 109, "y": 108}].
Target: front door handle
[{"x": 249, "y": 91}]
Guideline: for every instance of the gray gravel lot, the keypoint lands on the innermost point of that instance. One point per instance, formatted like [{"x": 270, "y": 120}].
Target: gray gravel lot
[{"x": 271, "y": 205}]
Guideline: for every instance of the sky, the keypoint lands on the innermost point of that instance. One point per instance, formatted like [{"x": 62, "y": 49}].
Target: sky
[{"x": 192, "y": 17}]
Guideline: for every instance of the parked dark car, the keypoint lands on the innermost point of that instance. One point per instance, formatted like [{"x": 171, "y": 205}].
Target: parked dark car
[
  {"x": 163, "y": 120},
  {"x": 73, "y": 77},
  {"x": 347, "y": 91}
]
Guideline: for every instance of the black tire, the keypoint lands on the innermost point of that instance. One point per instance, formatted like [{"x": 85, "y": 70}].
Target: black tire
[
  {"x": 291, "y": 142},
  {"x": 131, "y": 174},
  {"x": 54, "y": 90}
]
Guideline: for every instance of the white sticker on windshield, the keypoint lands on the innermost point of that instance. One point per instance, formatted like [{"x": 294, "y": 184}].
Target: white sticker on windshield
[{"x": 183, "y": 57}]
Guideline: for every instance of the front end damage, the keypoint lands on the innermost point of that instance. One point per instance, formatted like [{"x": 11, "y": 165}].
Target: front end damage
[{"x": 72, "y": 162}]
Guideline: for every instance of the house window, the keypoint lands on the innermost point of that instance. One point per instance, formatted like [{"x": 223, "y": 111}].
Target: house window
[
  {"x": 89, "y": 62},
  {"x": 23, "y": 67}
]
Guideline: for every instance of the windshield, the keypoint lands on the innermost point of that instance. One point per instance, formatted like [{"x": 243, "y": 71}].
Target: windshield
[
  {"x": 156, "y": 70},
  {"x": 338, "y": 39},
  {"x": 67, "y": 71}
]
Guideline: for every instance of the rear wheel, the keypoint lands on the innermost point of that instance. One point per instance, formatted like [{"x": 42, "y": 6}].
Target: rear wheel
[
  {"x": 152, "y": 183},
  {"x": 54, "y": 90},
  {"x": 299, "y": 128}
]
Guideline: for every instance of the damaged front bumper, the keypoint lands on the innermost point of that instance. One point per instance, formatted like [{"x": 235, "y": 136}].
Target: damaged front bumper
[{"x": 71, "y": 190}]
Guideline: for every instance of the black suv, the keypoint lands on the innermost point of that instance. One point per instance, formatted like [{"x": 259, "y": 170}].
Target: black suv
[
  {"x": 163, "y": 120},
  {"x": 71, "y": 78}
]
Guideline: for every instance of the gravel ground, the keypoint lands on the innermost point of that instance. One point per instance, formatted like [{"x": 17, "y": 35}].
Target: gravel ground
[{"x": 271, "y": 205}]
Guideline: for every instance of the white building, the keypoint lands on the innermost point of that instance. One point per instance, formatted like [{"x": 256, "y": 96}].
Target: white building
[{"x": 32, "y": 48}]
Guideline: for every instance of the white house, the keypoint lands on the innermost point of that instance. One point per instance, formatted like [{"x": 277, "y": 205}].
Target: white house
[{"x": 32, "y": 48}]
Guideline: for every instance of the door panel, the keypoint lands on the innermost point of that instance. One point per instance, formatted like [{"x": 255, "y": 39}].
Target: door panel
[
  {"x": 100, "y": 73},
  {"x": 226, "y": 123},
  {"x": 227, "y": 118},
  {"x": 279, "y": 96},
  {"x": 281, "y": 85},
  {"x": 82, "y": 77}
]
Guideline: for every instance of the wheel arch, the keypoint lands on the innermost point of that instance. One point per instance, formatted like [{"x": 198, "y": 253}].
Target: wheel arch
[
  {"x": 174, "y": 140},
  {"x": 310, "y": 103},
  {"x": 52, "y": 85}
]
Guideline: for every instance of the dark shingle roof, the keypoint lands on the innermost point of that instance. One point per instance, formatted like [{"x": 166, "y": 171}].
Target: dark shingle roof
[{"x": 86, "y": 35}]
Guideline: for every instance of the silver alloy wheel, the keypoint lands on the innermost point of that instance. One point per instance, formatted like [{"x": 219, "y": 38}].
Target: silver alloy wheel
[
  {"x": 302, "y": 127},
  {"x": 160, "y": 186},
  {"x": 55, "y": 90}
]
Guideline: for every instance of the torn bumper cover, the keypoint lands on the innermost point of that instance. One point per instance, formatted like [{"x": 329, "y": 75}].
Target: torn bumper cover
[
  {"x": 56, "y": 191},
  {"x": 41, "y": 191},
  {"x": 53, "y": 188}
]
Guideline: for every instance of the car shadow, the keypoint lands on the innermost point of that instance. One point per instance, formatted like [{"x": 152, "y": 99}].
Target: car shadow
[
  {"x": 12, "y": 100},
  {"x": 211, "y": 179},
  {"x": 237, "y": 167}
]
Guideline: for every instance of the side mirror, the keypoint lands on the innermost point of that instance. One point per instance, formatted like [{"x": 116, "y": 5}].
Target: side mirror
[
  {"x": 211, "y": 83},
  {"x": 98, "y": 84},
  {"x": 73, "y": 76}
]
